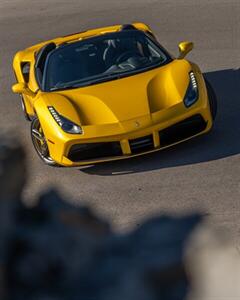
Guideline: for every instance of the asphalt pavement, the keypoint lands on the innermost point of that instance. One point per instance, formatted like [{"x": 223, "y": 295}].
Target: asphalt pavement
[{"x": 199, "y": 175}]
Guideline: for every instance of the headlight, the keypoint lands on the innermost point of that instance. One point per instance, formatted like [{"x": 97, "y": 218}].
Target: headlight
[
  {"x": 66, "y": 125},
  {"x": 192, "y": 92}
]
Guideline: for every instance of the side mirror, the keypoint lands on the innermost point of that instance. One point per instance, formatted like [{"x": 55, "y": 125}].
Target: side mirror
[
  {"x": 184, "y": 49},
  {"x": 21, "y": 88}
]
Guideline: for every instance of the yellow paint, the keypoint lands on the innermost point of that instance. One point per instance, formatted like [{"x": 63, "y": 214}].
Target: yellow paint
[{"x": 109, "y": 111}]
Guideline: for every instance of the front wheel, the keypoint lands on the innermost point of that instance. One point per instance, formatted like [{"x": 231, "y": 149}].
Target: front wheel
[
  {"x": 40, "y": 143},
  {"x": 212, "y": 99}
]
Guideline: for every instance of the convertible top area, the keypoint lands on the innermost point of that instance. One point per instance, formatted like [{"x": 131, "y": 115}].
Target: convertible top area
[
  {"x": 98, "y": 58},
  {"x": 36, "y": 54},
  {"x": 85, "y": 34}
]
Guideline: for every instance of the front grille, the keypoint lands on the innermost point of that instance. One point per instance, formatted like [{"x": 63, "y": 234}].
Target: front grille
[
  {"x": 91, "y": 151},
  {"x": 141, "y": 144},
  {"x": 182, "y": 130}
]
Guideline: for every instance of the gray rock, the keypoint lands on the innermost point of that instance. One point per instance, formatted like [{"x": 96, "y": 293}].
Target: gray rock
[
  {"x": 12, "y": 180},
  {"x": 55, "y": 251}
]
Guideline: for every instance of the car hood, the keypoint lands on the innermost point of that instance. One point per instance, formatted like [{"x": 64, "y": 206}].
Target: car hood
[{"x": 136, "y": 96}]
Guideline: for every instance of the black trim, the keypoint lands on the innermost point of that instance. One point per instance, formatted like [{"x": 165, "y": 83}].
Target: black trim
[
  {"x": 128, "y": 27},
  {"x": 25, "y": 69},
  {"x": 91, "y": 151},
  {"x": 141, "y": 144},
  {"x": 41, "y": 57},
  {"x": 182, "y": 130}
]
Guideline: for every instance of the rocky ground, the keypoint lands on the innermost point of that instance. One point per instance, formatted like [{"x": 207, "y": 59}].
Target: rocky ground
[{"x": 56, "y": 251}]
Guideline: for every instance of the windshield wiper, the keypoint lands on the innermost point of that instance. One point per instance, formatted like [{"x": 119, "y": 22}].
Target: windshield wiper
[
  {"x": 104, "y": 79},
  {"x": 84, "y": 83},
  {"x": 63, "y": 87}
]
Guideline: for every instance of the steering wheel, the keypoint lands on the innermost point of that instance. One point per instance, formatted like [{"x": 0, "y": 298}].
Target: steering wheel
[{"x": 125, "y": 55}]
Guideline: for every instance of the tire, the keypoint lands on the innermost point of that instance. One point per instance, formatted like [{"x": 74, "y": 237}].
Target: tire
[
  {"x": 212, "y": 99},
  {"x": 40, "y": 144}
]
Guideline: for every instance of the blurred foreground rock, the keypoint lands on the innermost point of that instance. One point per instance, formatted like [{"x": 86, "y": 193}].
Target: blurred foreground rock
[{"x": 55, "y": 251}]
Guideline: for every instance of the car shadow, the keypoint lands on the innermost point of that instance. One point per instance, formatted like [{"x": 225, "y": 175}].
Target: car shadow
[{"x": 222, "y": 141}]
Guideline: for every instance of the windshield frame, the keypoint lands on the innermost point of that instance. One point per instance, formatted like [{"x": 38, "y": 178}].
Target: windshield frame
[{"x": 105, "y": 78}]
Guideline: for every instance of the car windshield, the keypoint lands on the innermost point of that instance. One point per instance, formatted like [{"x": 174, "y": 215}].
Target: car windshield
[{"x": 102, "y": 58}]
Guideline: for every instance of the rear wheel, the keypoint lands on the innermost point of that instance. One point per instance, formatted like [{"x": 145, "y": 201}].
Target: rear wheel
[
  {"x": 40, "y": 143},
  {"x": 212, "y": 99}
]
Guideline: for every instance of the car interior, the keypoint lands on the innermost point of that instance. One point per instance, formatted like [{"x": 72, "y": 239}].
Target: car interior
[{"x": 88, "y": 59}]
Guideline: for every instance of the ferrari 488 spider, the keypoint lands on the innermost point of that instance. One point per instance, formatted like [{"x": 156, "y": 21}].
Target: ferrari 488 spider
[{"x": 110, "y": 93}]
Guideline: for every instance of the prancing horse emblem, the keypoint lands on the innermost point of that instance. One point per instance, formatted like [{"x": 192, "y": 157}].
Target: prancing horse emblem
[{"x": 137, "y": 124}]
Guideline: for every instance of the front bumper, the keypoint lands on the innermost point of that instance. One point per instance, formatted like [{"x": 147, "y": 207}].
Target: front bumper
[
  {"x": 175, "y": 126},
  {"x": 156, "y": 131},
  {"x": 90, "y": 152}
]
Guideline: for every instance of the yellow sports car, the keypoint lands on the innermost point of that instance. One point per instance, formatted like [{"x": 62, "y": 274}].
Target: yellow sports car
[{"x": 110, "y": 93}]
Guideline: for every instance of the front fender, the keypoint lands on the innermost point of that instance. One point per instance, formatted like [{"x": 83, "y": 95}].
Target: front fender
[{"x": 54, "y": 135}]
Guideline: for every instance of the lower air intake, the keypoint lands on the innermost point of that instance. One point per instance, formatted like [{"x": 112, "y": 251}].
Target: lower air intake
[
  {"x": 91, "y": 151},
  {"x": 182, "y": 130},
  {"x": 141, "y": 144}
]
